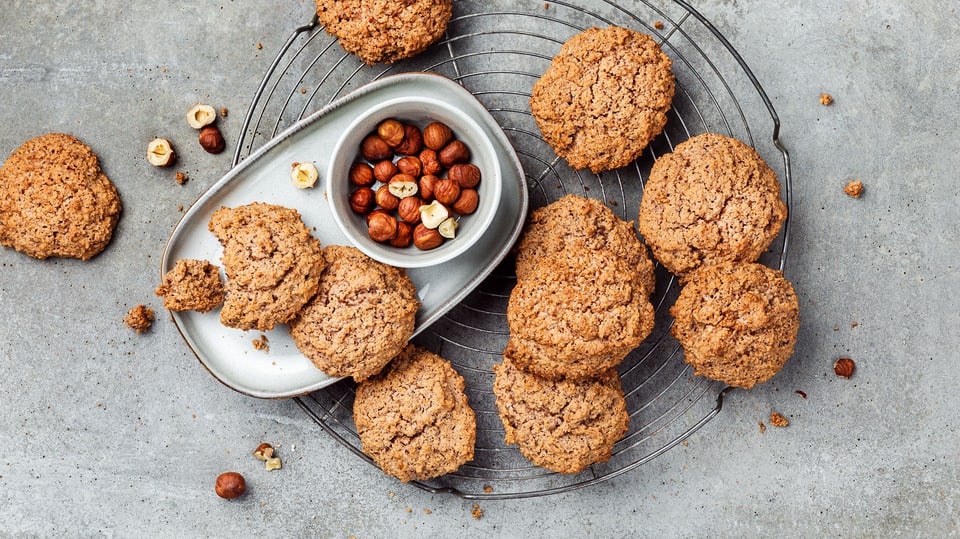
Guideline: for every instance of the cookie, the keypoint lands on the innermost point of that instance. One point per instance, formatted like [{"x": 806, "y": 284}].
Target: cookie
[
  {"x": 574, "y": 222},
  {"x": 413, "y": 419},
  {"x": 192, "y": 285},
  {"x": 737, "y": 322},
  {"x": 561, "y": 425},
  {"x": 604, "y": 97},
  {"x": 385, "y": 30},
  {"x": 362, "y": 316},
  {"x": 273, "y": 264},
  {"x": 713, "y": 199},
  {"x": 55, "y": 200},
  {"x": 577, "y": 316}
]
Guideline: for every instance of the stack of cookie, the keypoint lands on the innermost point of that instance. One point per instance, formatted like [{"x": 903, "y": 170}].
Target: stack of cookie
[{"x": 581, "y": 304}]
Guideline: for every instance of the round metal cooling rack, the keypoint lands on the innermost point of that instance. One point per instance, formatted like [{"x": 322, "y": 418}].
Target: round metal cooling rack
[{"x": 497, "y": 49}]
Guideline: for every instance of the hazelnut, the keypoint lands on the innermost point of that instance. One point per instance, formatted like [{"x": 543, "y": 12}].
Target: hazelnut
[
  {"x": 844, "y": 367},
  {"x": 373, "y": 148},
  {"x": 361, "y": 174},
  {"x": 304, "y": 175},
  {"x": 404, "y": 235},
  {"x": 160, "y": 153},
  {"x": 273, "y": 463},
  {"x": 391, "y": 131},
  {"x": 467, "y": 203},
  {"x": 429, "y": 162},
  {"x": 432, "y": 215},
  {"x": 412, "y": 141},
  {"x": 409, "y": 209},
  {"x": 384, "y": 170},
  {"x": 211, "y": 139},
  {"x": 263, "y": 451},
  {"x": 436, "y": 135},
  {"x": 446, "y": 191},
  {"x": 453, "y": 153},
  {"x": 362, "y": 200},
  {"x": 466, "y": 174},
  {"x": 374, "y": 213},
  {"x": 403, "y": 185},
  {"x": 426, "y": 238},
  {"x": 230, "y": 485},
  {"x": 381, "y": 226},
  {"x": 410, "y": 165},
  {"x": 448, "y": 228},
  {"x": 201, "y": 115},
  {"x": 427, "y": 182},
  {"x": 385, "y": 199}
]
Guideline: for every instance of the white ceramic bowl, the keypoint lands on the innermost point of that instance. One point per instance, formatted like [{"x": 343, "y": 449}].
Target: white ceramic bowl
[{"x": 418, "y": 111}]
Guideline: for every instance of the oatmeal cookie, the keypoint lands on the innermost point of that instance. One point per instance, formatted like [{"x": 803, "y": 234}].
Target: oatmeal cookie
[
  {"x": 604, "y": 97},
  {"x": 55, "y": 200},
  {"x": 573, "y": 223},
  {"x": 561, "y": 425},
  {"x": 192, "y": 285},
  {"x": 413, "y": 418},
  {"x": 577, "y": 316},
  {"x": 272, "y": 263},
  {"x": 712, "y": 199},
  {"x": 385, "y": 30},
  {"x": 362, "y": 316},
  {"x": 736, "y": 322}
]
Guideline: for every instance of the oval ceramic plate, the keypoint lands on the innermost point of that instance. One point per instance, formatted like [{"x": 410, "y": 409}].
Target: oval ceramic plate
[{"x": 228, "y": 354}]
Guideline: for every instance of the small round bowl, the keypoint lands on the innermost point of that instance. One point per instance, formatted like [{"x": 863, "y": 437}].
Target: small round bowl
[{"x": 418, "y": 111}]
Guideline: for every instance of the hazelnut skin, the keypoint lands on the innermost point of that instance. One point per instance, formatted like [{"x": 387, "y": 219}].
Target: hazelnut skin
[
  {"x": 465, "y": 174},
  {"x": 381, "y": 227},
  {"x": 467, "y": 203},
  {"x": 373, "y": 148},
  {"x": 211, "y": 139},
  {"x": 363, "y": 200},
  {"x": 230, "y": 485},
  {"x": 436, "y": 135},
  {"x": 361, "y": 174},
  {"x": 453, "y": 153},
  {"x": 426, "y": 238},
  {"x": 412, "y": 141},
  {"x": 447, "y": 191}
]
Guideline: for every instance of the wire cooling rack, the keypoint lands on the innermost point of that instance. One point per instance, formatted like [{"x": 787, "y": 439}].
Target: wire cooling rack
[{"x": 498, "y": 49}]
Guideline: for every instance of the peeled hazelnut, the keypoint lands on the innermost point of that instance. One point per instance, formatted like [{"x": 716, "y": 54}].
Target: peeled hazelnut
[
  {"x": 409, "y": 209},
  {"x": 362, "y": 200},
  {"x": 410, "y": 165},
  {"x": 467, "y": 203},
  {"x": 230, "y": 485},
  {"x": 263, "y": 451},
  {"x": 391, "y": 131},
  {"x": 384, "y": 170},
  {"x": 273, "y": 463},
  {"x": 381, "y": 227},
  {"x": 433, "y": 214},
  {"x": 844, "y": 367},
  {"x": 385, "y": 199},
  {"x": 436, "y": 135},
  {"x": 446, "y": 191},
  {"x": 304, "y": 175},
  {"x": 429, "y": 162},
  {"x": 373, "y": 148},
  {"x": 404, "y": 235},
  {"x": 466, "y": 174},
  {"x": 412, "y": 141},
  {"x": 448, "y": 228},
  {"x": 427, "y": 182},
  {"x": 211, "y": 139},
  {"x": 453, "y": 153},
  {"x": 160, "y": 153},
  {"x": 403, "y": 185},
  {"x": 361, "y": 174},
  {"x": 201, "y": 115},
  {"x": 426, "y": 238}
]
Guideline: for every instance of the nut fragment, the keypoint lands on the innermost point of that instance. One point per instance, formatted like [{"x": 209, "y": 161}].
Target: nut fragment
[
  {"x": 448, "y": 228},
  {"x": 263, "y": 451},
  {"x": 403, "y": 185},
  {"x": 426, "y": 238},
  {"x": 230, "y": 485},
  {"x": 467, "y": 203},
  {"x": 362, "y": 200},
  {"x": 273, "y": 463},
  {"x": 201, "y": 115},
  {"x": 433, "y": 214},
  {"x": 446, "y": 191},
  {"x": 361, "y": 174},
  {"x": 160, "y": 152},
  {"x": 844, "y": 367},
  {"x": 466, "y": 174},
  {"x": 412, "y": 141},
  {"x": 386, "y": 199},
  {"x": 373, "y": 148},
  {"x": 391, "y": 131},
  {"x": 304, "y": 175},
  {"x": 211, "y": 139},
  {"x": 381, "y": 226},
  {"x": 436, "y": 135},
  {"x": 453, "y": 153},
  {"x": 409, "y": 209}
]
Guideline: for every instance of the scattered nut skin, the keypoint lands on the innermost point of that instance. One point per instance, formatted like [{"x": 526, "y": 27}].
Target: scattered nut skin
[
  {"x": 448, "y": 228},
  {"x": 211, "y": 139},
  {"x": 466, "y": 174},
  {"x": 385, "y": 199},
  {"x": 467, "y": 203},
  {"x": 403, "y": 185},
  {"x": 201, "y": 115},
  {"x": 404, "y": 235},
  {"x": 384, "y": 170},
  {"x": 436, "y": 135},
  {"x": 446, "y": 191},
  {"x": 391, "y": 131},
  {"x": 273, "y": 463},
  {"x": 160, "y": 152},
  {"x": 430, "y": 162},
  {"x": 230, "y": 485},
  {"x": 409, "y": 209},
  {"x": 412, "y": 141},
  {"x": 844, "y": 367},
  {"x": 381, "y": 227},
  {"x": 432, "y": 215},
  {"x": 304, "y": 175},
  {"x": 427, "y": 183},
  {"x": 362, "y": 200},
  {"x": 426, "y": 238},
  {"x": 373, "y": 148},
  {"x": 453, "y": 153},
  {"x": 361, "y": 175},
  {"x": 263, "y": 451},
  {"x": 411, "y": 165}
]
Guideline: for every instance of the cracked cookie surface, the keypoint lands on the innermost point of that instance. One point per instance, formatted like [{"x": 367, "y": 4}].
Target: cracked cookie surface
[{"x": 191, "y": 285}]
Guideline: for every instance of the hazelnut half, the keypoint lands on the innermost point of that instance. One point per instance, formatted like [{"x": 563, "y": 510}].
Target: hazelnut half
[
  {"x": 160, "y": 152},
  {"x": 432, "y": 215},
  {"x": 403, "y": 185},
  {"x": 304, "y": 175},
  {"x": 201, "y": 115},
  {"x": 230, "y": 485},
  {"x": 211, "y": 139},
  {"x": 263, "y": 451},
  {"x": 448, "y": 228}
]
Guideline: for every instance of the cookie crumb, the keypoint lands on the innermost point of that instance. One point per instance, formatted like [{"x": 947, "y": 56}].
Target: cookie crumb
[
  {"x": 658, "y": 25},
  {"x": 139, "y": 318},
  {"x": 836, "y": 327},
  {"x": 763, "y": 428},
  {"x": 261, "y": 343},
  {"x": 803, "y": 395},
  {"x": 182, "y": 177},
  {"x": 826, "y": 99},
  {"x": 259, "y": 46},
  {"x": 180, "y": 207},
  {"x": 427, "y": 511},
  {"x": 223, "y": 112},
  {"x": 477, "y": 512},
  {"x": 488, "y": 489},
  {"x": 546, "y": 5},
  {"x": 854, "y": 188},
  {"x": 686, "y": 443},
  {"x": 855, "y": 324},
  {"x": 777, "y": 420}
]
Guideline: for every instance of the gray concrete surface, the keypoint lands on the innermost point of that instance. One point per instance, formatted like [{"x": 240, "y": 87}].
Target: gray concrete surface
[{"x": 106, "y": 432}]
